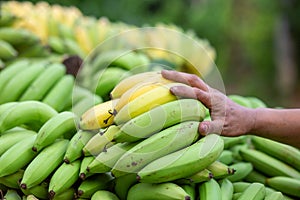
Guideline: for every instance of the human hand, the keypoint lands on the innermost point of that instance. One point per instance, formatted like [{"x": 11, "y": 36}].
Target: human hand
[{"x": 227, "y": 117}]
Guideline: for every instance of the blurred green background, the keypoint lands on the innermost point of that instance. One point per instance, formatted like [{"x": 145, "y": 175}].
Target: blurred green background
[{"x": 257, "y": 42}]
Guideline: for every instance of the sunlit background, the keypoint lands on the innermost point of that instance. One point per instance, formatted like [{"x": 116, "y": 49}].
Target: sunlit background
[{"x": 257, "y": 42}]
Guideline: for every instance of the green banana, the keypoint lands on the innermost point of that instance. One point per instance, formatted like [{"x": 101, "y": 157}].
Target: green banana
[
  {"x": 201, "y": 176},
  {"x": 7, "y": 51},
  {"x": 210, "y": 190},
  {"x": 72, "y": 47},
  {"x": 286, "y": 185},
  {"x": 12, "y": 70},
  {"x": 256, "y": 102},
  {"x": 83, "y": 173},
  {"x": 241, "y": 170},
  {"x": 236, "y": 151},
  {"x": 226, "y": 157},
  {"x": 86, "y": 103},
  {"x": 21, "y": 81},
  {"x": 134, "y": 61},
  {"x": 255, "y": 191},
  {"x": 31, "y": 197},
  {"x": 240, "y": 186},
  {"x": 241, "y": 100},
  {"x": 267, "y": 164},
  {"x": 190, "y": 189},
  {"x": 4, "y": 107},
  {"x": 64, "y": 177},
  {"x": 232, "y": 141},
  {"x": 88, "y": 187},
  {"x": 11, "y": 137},
  {"x": 56, "y": 44},
  {"x": 39, "y": 191},
  {"x": 275, "y": 196},
  {"x": 12, "y": 180},
  {"x": 44, "y": 82},
  {"x": 77, "y": 142},
  {"x": 160, "y": 144},
  {"x": 104, "y": 195},
  {"x": 283, "y": 152},
  {"x": 226, "y": 189},
  {"x": 184, "y": 162},
  {"x": 65, "y": 195},
  {"x": 61, "y": 91},
  {"x": 160, "y": 118},
  {"x": 26, "y": 112},
  {"x": 122, "y": 185},
  {"x": 18, "y": 37},
  {"x": 220, "y": 170},
  {"x": 100, "y": 141},
  {"x": 107, "y": 159},
  {"x": 12, "y": 194},
  {"x": 161, "y": 191},
  {"x": 54, "y": 128},
  {"x": 44, "y": 164},
  {"x": 255, "y": 176},
  {"x": 236, "y": 196},
  {"x": 7, "y": 18},
  {"x": 17, "y": 156}
]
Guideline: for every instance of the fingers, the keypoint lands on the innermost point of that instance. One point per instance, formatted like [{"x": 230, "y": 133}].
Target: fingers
[
  {"x": 189, "y": 79},
  {"x": 207, "y": 127}
]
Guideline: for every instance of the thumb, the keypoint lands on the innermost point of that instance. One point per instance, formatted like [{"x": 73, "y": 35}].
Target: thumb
[{"x": 207, "y": 127}]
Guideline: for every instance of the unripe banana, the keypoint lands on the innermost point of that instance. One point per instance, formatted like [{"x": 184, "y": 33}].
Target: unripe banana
[
  {"x": 94, "y": 183},
  {"x": 7, "y": 51},
  {"x": 107, "y": 159},
  {"x": 256, "y": 102},
  {"x": 240, "y": 186},
  {"x": 44, "y": 164},
  {"x": 268, "y": 165},
  {"x": 255, "y": 176},
  {"x": 232, "y": 141},
  {"x": 160, "y": 144},
  {"x": 275, "y": 196},
  {"x": 53, "y": 129},
  {"x": 185, "y": 162},
  {"x": 26, "y": 112},
  {"x": 255, "y": 191},
  {"x": 162, "y": 191},
  {"x": 44, "y": 82},
  {"x": 286, "y": 185},
  {"x": 122, "y": 185},
  {"x": 11, "y": 137},
  {"x": 220, "y": 170},
  {"x": 77, "y": 142},
  {"x": 226, "y": 189},
  {"x": 18, "y": 156},
  {"x": 241, "y": 100},
  {"x": 12, "y": 180},
  {"x": 66, "y": 195},
  {"x": 63, "y": 178},
  {"x": 190, "y": 189},
  {"x": 4, "y": 107},
  {"x": 99, "y": 116},
  {"x": 210, "y": 190},
  {"x": 83, "y": 173},
  {"x": 12, "y": 194},
  {"x": 160, "y": 118},
  {"x": 104, "y": 195},
  {"x": 241, "y": 170},
  {"x": 21, "y": 81},
  {"x": 60, "y": 92},
  {"x": 201, "y": 176},
  {"x": 18, "y": 37},
  {"x": 39, "y": 191},
  {"x": 283, "y": 152}
]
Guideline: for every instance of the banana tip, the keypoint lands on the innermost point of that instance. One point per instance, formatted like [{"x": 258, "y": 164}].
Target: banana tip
[
  {"x": 138, "y": 178},
  {"x": 34, "y": 149},
  {"x": 187, "y": 198},
  {"x": 82, "y": 176},
  {"x": 23, "y": 186},
  {"x": 66, "y": 160},
  {"x": 51, "y": 193}
]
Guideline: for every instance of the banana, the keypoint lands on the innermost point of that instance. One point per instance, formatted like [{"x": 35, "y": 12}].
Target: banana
[
  {"x": 88, "y": 187},
  {"x": 283, "y": 152},
  {"x": 56, "y": 44},
  {"x": 236, "y": 196},
  {"x": 275, "y": 196},
  {"x": 241, "y": 100},
  {"x": 241, "y": 170},
  {"x": 16, "y": 157},
  {"x": 73, "y": 48},
  {"x": 255, "y": 176},
  {"x": 190, "y": 189},
  {"x": 162, "y": 191},
  {"x": 267, "y": 164},
  {"x": 104, "y": 195},
  {"x": 122, "y": 185},
  {"x": 12, "y": 194},
  {"x": 77, "y": 142},
  {"x": 158, "y": 95},
  {"x": 4, "y": 107},
  {"x": 160, "y": 118},
  {"x": 55, "y": 128},
  {"x": 44, "y": 164},
  {"x": 83, "y": 173},
  {"x": 210, "y": 190},
  {"x": 7, "y": 18},
  {"x": 226, "y": 157},
  {"x": 39, "y": 191},
  {"x": 7, "y": 51},
  {"x": 185, "y": 162},
  {"x": 201, "y": 176},
  {"x": 99, "y": 116},
  {"x": 12, "y": 180},
  {"x": 132, "y": 61},
  {"x": 255, "y": 191},
  {"x": 85, "y": 104},
  {"x": 286, "y": 185},
  {"x": 226, "y": 189},
  {"x": 63, "y": 178},
  {"x": 100, "y": 141},
  {"x": 11, "y": 70},
  {"x": 240, "y": 186},
  {"x": 44, "y": 82},
  {"x": 230, "y": 142},
  {"x": 236, "y": 151},
  {"x": 11, "y": 137},
  {"x": 163, "y": 143},
  {"x": 256, "y": 102},
  {"x": 18, "y": 37},
  {"x": 107, "y": 159},
  {"x": 21, "y": 81},
  {"x": 61, "y": 91},
  {"x": 25, "y": 112},
  {"x": 220, "y": 170},
  {"x": 31, "y": 197},
  {"x": 65, "y": 195}
]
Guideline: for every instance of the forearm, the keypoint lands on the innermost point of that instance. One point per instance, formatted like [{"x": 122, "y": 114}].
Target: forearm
[{"x": 282, "y": 125}]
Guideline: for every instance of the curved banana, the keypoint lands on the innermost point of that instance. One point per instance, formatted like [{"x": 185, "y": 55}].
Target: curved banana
[
  {"x": 104, "y": 195},
  {"x": 18, "y": 37},
  {"x": 286, "y": 185},
  {"x": 201, "y": 176},
  {"x": 185, "y": 162},
  {"x": 220, "y": 170},
  {"x": 99, "y": 116},
  {"x": 255, "y": 191},
  {"x": 12, "y": 180},
  {"x": 26, "y": 112},
  {"x": 83, "y": 173},
  {"x": 241, "y": 170},
  {"x": 226, "y": 189},
  {"x": 160, "y": 118},
  {"x": 122, "y": 185},
  {"x": 7, "y": 50},
  {"x": 210, "y": 190}
]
